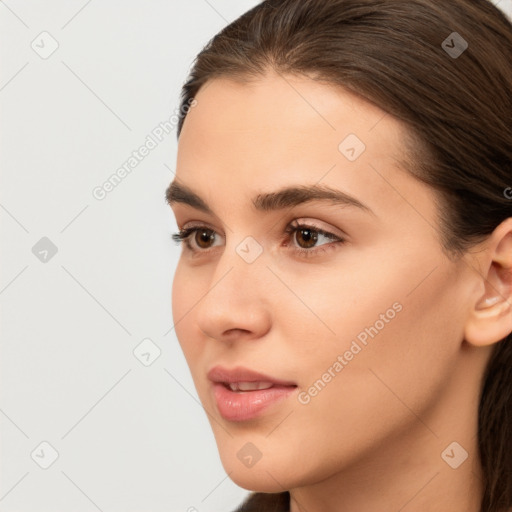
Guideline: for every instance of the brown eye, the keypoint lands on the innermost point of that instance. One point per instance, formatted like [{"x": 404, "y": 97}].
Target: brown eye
[
  {"x": 309, "y": 236},
  {"x": 203, "y": 237},
  {"x": 197, "y": 239},
  {"x": 304, "y": 239}
]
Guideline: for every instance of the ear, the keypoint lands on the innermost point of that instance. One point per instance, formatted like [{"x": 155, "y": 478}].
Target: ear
[{"x": 490, "y": 318}]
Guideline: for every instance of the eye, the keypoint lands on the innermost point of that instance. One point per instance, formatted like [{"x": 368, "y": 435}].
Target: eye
[
  {"x": 203, "y": 236},
  {"x": 305, "y": 235}
]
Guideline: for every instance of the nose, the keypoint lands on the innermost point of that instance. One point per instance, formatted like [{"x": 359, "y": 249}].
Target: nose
[{"x": 236, "y": 302}]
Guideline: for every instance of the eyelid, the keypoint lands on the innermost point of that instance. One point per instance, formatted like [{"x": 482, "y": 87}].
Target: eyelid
[
  {"x": 197, "y": 224},
  {"x": 296, "y": 221},
  {"x": 314, "y": 224}
]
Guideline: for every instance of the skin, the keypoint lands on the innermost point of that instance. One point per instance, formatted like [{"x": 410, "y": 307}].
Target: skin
[{"x": 372, "y": 438}]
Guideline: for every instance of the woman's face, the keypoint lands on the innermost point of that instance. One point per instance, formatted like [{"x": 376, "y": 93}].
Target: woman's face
[{"x": 366, "y": 321}]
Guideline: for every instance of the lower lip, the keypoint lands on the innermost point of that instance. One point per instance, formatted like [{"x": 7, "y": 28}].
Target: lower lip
[{"x": 245, "y": 405}]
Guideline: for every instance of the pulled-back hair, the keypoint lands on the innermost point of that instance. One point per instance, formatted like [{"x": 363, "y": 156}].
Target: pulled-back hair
[{"x": 455, "y": 101}]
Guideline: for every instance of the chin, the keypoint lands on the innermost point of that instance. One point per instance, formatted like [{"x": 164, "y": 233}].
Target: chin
[
  {"x": 267, "y": 474},
  {"x": 259, "y": 482}
]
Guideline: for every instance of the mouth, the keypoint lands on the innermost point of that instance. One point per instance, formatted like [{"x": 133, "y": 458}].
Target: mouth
[
  {"x": 242, "y": 394},
  {"x": 245, "y": 378},
  {"x": 247, "y": 387}
]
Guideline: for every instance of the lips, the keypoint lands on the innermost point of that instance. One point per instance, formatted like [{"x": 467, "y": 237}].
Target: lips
[
  {"x": 242, "y": 394},
  {"x": 244, "y": 379}
]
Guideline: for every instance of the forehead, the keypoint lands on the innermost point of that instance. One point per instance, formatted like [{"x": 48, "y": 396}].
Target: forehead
[
  {"x": 243, "y": 137},
  {"x": 288, "y": 106}
]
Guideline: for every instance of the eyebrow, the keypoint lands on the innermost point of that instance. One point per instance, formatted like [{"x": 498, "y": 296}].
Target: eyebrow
[{"x": 269, "y": 201}]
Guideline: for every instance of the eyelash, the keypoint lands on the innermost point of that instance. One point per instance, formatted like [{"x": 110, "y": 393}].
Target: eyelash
[{"x": 184, "y": 236}]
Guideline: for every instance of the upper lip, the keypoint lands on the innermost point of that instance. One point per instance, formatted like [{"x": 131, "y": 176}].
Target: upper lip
[{"x": 241, "y": 374}]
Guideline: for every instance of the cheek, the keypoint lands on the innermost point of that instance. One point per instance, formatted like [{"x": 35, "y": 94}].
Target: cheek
[
  {"x": 332, "y": 307},
  {"x": 386, "y": 314},
  {"x": 393, "y": 344}
]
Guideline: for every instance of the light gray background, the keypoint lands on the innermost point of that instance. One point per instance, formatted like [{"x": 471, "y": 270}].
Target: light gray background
[{"x": 124, "y": 418}]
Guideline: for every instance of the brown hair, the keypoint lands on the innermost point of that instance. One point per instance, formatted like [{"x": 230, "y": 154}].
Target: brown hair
[{"x": 401, "y": 55}]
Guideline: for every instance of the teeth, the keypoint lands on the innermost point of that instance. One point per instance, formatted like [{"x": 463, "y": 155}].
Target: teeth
[{"x": 249, "y": 386}]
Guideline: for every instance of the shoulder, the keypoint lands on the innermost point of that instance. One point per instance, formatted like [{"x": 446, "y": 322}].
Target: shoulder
[{"x": 265, "y": 502}]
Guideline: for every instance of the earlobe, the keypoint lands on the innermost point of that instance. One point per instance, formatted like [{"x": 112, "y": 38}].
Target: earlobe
[{"x": 490, "y": 319}]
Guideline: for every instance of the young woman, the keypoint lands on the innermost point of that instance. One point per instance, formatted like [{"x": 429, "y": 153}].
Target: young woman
[{"x": 344, "y": 294}]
